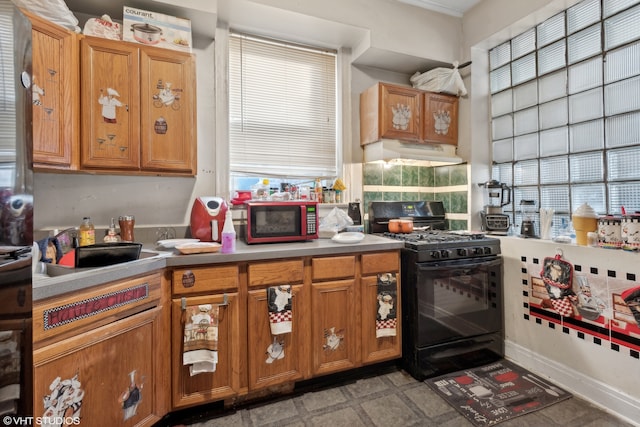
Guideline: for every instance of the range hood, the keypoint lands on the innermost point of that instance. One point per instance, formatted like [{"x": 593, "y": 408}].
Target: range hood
[{"x": 396, "y": 152}]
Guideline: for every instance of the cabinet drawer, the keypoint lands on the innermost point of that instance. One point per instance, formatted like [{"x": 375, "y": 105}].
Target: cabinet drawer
[
  {"x": 73, "y": 313},
  {"x": 334, "y": 267},
  {"x": 204, "y": 279},
  {"x": 274, "y": 273},
  {"x": 380, "y": 263}
]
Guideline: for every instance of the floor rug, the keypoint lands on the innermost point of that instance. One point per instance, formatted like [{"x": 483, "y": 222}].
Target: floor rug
[{"x": 494, "y": 393}]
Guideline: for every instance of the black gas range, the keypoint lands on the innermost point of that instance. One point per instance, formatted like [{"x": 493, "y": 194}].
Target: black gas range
[{"x": 451, "y": 290}]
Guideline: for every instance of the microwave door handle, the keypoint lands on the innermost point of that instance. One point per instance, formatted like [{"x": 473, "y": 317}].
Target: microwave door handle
[{"x": 303, "y": 220}]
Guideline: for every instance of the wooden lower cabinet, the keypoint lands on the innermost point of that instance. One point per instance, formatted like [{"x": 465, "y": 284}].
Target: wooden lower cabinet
[
  {"x": 383, "y": 267},
  {"x": 204, "y": 387},
  {"x": 275, "y": 359},
  {"x": 334, "y": 302},
  {"x": 108, "y": 376},
  {"x": 334, "y": 330}
]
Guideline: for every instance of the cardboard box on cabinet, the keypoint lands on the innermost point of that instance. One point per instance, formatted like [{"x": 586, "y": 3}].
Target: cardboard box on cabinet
[{"x": 156, "y": 29}]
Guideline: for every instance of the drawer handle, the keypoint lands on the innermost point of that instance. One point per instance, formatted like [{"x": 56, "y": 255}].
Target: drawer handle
[{"x": 224, "y": 303}]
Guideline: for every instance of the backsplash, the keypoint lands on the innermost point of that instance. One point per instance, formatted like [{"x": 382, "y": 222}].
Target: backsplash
[{"x": 412, "y": 183}]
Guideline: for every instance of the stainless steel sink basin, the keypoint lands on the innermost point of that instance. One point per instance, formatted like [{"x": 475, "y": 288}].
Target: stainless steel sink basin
[{"x": 54, "y": 270}]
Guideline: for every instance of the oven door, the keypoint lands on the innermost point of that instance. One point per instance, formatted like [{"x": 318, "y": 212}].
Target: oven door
[{"x": 458, "y": 299}]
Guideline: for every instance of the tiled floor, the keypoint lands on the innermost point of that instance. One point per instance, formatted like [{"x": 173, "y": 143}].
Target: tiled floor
[{"x": 391, "y": 398}]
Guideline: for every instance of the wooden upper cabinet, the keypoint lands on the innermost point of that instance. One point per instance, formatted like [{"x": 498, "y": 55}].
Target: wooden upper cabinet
[
  {"x": 441, "y": 118},
  {"x": 390, "y": 111},
  {"x": 110, "y": 105},
  {"x": 138, "y": 108},
  {"x": 55, "y": 83},
  {"x": 168, "y": 119}
]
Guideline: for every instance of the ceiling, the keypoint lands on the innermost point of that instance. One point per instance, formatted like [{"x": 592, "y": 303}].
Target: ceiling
[{"x": 449, "y": 7}]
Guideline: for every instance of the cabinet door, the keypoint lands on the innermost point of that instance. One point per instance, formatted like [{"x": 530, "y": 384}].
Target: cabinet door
[
  {"x": 335, "y": 326},
  {"x": 54, "y": 89},
  {"x": 276, "y": 359},
  {"x": 374, "y": 348},
  {"x": 206, "y": 387},
  {"x": 400, "y": 112},
  {"x": 168, "y": 106},
  {"x": 108, "y": 376},
  {"x": 441, "y": 118},
  {"x": 110, "y": 105}
]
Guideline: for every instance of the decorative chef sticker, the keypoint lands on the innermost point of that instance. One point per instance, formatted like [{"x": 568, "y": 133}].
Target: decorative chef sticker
[
  {"x": 65, "y": 400},
  {"x": 442, "y": 121},
  {"x": 167, "y": 96},
  {"x": 333, "y": 338},
  {"x": 109, "y": 102},
  {"x": 36, "y": 92},
  {"x": 131, "y": 397},
  {"x": 275, "y": 351},
  {"x": 401, "y": 116}
]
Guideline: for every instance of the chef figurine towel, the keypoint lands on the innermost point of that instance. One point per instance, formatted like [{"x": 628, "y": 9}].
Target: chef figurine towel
[
  {"x": 386, "y": 306},
  {"x": 279, "y": 306},
  {"x": 557, "y": 275}
]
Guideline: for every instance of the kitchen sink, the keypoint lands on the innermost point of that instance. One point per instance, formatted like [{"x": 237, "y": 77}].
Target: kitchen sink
[{"x": 54, "y": 270}]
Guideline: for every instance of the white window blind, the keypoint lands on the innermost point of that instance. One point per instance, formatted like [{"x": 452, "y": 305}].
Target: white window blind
[
  {"x": 7, "y": 82},
  {"x": 282, "y": 109}
]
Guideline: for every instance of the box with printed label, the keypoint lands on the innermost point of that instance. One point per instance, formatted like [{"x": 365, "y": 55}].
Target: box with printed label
[{"x": 156, "y": 29}]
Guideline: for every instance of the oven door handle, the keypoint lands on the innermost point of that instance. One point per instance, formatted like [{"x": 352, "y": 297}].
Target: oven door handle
[{"x": 466, "y": 263}]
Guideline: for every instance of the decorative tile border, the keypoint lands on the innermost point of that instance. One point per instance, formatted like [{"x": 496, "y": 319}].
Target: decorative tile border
[
  {"x": 77, "y": 310},
  {"x": 608, "y": 327}
]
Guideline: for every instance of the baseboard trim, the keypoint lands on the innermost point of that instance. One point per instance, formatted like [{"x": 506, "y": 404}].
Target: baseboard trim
[{"x": 598, "y": 393}]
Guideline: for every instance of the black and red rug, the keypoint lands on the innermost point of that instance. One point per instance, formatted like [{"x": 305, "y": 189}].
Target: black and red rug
[{"x": 494, "y": 393}]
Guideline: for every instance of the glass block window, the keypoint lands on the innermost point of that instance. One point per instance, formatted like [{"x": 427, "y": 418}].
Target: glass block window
[{"x": 565, "y": 110}]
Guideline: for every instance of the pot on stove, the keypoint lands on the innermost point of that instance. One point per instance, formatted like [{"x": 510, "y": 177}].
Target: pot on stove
[{"x": 401, "y": 225}]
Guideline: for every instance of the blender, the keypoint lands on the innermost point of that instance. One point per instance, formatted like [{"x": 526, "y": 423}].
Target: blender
[
  {"x": 528, "y": 227},
  {"x": 496, "y": 195}
]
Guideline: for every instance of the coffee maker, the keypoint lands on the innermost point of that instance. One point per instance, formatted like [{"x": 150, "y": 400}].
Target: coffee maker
[{"x": 496, "y": 195}]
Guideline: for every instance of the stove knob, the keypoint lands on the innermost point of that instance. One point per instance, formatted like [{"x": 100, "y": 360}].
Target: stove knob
[
  {"x": 444, "y": 253},
  {"x": 487, "y": 250},
  {"x": 478, "y": 251},
  {"x": 462, "y": 252},
  {"x": 435, "y": 254}
]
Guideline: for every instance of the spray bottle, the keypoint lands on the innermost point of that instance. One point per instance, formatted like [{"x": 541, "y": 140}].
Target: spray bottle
[{"x": 228, "y": 234}]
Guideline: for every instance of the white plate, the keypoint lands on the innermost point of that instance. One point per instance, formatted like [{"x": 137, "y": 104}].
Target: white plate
[
  {"x": 348, "y": 237},
  {"x": 172, "y": 243}
]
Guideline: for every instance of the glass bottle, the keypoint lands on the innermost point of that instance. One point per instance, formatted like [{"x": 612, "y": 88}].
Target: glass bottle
[{"x": 87, "y": 232}]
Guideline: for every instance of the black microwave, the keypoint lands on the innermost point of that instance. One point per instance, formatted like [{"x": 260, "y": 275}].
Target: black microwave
[{"x": 286, "y": 221}]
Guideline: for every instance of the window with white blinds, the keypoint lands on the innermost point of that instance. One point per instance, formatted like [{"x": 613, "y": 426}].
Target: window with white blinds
[
  {"x": 282, "y": 109},
  {"x": 565, "y": 110}
]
